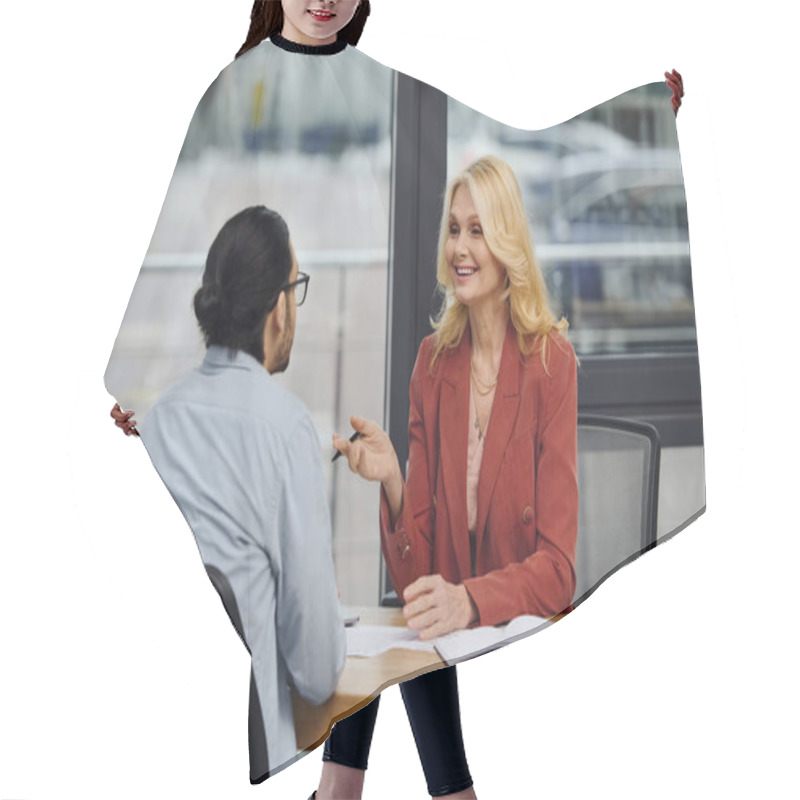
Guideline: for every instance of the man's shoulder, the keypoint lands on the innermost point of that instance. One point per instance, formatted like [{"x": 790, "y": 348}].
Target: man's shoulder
[{"x": 282, "y": 408}]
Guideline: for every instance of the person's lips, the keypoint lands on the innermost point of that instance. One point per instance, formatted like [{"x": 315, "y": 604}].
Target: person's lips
[
  {"x": 321, "y": 16},
  {"x": 465, "y": 272}
]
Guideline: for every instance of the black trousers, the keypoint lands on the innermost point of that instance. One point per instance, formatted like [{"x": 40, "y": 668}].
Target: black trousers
[{"x": 431, "y": 702}]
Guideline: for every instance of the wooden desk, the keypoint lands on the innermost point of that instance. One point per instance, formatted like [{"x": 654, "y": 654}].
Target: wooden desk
[{"x": 362, "y": 680}]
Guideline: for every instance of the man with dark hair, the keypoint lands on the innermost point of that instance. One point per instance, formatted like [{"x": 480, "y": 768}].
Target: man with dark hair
[{"x": 240, "y": 456}]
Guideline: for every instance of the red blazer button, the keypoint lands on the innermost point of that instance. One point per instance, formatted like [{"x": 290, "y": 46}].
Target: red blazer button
[
  {"x": 403, "y": 548},
  {"x": 527, "y": 515}
]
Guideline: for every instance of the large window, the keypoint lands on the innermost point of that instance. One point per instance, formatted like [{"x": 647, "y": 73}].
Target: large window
[
  {"x": 604, "y": 195},
  {"x": 604, "y": 192},
  {"x": 325, "y": 165}
]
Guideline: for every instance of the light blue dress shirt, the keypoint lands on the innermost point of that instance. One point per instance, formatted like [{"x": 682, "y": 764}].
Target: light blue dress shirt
[{"x": 241, "y": 458}]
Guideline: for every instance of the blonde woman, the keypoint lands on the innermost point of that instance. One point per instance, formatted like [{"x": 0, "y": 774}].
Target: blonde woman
[{"x": 483, "y": 527}]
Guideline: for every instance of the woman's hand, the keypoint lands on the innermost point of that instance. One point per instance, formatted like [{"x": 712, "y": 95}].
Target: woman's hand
[
  {"x": 435, "y": 607},
  {"x": 124, "y": 420},
  {"x": 372, "y": 454},
  {"x": 675, "y": 83}
]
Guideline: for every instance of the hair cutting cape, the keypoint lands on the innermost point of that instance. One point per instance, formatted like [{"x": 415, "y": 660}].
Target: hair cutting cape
[{"x": 356, "y": 158}]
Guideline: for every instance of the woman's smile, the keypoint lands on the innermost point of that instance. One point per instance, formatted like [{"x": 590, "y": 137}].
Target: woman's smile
[
  {"x": 464, "y": 273},
  {"x": 320, "y": 15}
]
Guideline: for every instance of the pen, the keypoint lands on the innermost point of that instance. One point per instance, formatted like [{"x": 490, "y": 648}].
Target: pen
[{"x": 355, "y": 436}]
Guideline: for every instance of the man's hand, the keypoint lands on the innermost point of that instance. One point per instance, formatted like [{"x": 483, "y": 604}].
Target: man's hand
[
  {"x": 435, "y": 607},
  {"x": 124, "y": 420}
]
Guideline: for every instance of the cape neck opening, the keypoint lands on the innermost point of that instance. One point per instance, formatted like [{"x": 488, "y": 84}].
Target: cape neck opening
[{"x": 308, "y": 49}]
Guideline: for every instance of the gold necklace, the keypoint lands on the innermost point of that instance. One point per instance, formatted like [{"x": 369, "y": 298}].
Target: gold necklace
[
  {"x": 477, "y": 424},
  {"x": 477, "y": 389},
  {"x": 487, "y": 386}
]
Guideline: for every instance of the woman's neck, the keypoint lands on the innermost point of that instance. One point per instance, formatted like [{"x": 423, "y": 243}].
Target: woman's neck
[{"x": 488, "y": 331}]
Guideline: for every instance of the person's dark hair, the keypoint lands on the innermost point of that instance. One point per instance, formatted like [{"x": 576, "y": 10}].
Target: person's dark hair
[
  {"x": 247, "y": 264},
  {"x": 266, "y": 19}
]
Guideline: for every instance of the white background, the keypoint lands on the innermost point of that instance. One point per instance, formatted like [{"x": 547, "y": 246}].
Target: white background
[{"x": 120, "y": 675}]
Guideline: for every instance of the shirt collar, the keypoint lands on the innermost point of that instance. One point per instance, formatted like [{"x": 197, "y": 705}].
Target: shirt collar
[{"x": 220, "y": 356}]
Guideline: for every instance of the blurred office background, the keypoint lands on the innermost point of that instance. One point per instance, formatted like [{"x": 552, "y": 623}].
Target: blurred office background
[{"x": 605, "y": 197}]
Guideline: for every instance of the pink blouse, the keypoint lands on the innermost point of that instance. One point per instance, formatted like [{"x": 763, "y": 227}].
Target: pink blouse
[{"x": 474, "y": 457}]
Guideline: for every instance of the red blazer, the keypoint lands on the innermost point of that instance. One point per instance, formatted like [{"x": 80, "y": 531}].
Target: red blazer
[{"x": 527, "y": 490}]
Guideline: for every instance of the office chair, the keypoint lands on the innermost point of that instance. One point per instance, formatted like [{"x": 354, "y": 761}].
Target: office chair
[
  {"x": 618, "y": 471},
  {"x": 257, "y": 739}
]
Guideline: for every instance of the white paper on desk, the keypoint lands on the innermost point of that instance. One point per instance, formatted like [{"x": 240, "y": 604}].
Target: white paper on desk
[
  {"x": 371, "y": 640},
  {"x": 460, "y": 645}
]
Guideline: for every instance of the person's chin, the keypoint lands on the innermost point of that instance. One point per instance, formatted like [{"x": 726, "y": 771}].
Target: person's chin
[
  {"x": 318, "y": 31},
  {"x": 465, "y": 298}
]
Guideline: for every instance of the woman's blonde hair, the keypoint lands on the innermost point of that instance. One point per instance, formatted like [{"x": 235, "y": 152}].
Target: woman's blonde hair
[{"x": 495, "y": 192}]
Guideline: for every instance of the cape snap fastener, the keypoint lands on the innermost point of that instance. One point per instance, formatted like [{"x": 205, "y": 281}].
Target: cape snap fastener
[{"x": 527, "y": 515}]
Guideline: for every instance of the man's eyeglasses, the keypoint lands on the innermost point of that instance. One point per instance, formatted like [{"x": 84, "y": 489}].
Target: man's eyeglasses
[{"x": 300, "y": 286}]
